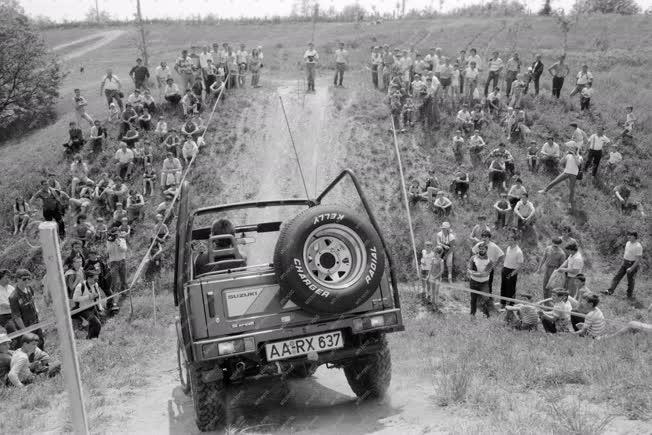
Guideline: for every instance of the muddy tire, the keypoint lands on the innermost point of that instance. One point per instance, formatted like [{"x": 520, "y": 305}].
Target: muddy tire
[
  {"x": 182, "y": 366},
  {"x": 369, "y": 377},
  {"x": 209, "y": 399},
  {"x": 303, "y": 371},
  {"x": 328, "y": 260}
]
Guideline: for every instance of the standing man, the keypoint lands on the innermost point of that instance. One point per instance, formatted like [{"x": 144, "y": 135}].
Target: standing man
[
  {"x": 494, "y": 253},
  {"x": 597, "y": 141},
  {"x": 512, "y": 68},
  {"x": 495, "y": 66},
  {"x": 311, "y": 57},
  {"x": 376, "y": 64},
  {"x": 559, "y": 70},
  {"x": 6, "y": 290},
  {"x": 537, "y": 71},
  {"x": 553, "y": 257},
  {"x": 584, "y": 77},
  {"x": 52, "y": 205},
  {"x": 116, "y": 247},
  {"x": 629, "y": 266},
  {"x": 461, "y": 61},
  {"x": 79, "y": 104},
  {"x": 571, "y": 164},
  {"x": 183, "y": 67},
  {"x": 242, "y": 58},
  {"x": 111, "y": 88},
  {"x": 478, "y": 271},
  {"x": 162, "y": 73},
  {"x": 388, "y": 62},
  {"x": 447, "y": 240},
  {"x": 341, "y": 59},
  {"x": 86, "y": 294},
  {"x": 513, "y": 263},
  {"x": 23, "y": 308},
  {"x": 579, "y": 137},
  {"x": 573, "y": 266},
  {"x": 139, "y": 74}
]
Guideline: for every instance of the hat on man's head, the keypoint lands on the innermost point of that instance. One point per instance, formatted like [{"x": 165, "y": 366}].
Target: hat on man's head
[
  {"x": 4, "y": 339},
  {"x": 446, "y": 225}
]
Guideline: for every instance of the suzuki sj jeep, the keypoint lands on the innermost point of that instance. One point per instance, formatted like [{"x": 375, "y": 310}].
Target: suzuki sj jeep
[{"x": 281, "y": 297}]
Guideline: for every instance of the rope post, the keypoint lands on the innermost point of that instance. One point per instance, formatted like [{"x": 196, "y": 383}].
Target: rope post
[
  {"x": 405, "y": 196},
  {"x": 154, "y": 299},
  {"x": 48, "y": 234}
]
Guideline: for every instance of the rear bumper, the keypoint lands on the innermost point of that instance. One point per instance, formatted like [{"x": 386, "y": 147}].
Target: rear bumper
[{"x": 262, "y": 337}]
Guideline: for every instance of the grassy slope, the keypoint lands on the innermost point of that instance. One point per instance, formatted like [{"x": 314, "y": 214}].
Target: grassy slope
[{"x": 370, "y": 149}]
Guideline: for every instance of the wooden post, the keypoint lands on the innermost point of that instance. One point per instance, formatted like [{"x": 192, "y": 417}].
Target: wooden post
[
  {"x": 154, "y": 298},
  {"x": 141, "y": 29},
  {"x": 52, "y": 258}
]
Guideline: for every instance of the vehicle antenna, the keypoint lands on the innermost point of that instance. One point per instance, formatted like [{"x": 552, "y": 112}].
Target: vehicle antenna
[
  {"x": 405, "y": 196},
  {"x": 303, "y": 179}
]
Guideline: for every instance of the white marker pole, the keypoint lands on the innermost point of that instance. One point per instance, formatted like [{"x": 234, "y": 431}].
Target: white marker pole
[{"x": 56, "y": 284}]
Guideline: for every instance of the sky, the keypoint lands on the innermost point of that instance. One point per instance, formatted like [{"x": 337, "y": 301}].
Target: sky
[{"x": 59, "y": 10}]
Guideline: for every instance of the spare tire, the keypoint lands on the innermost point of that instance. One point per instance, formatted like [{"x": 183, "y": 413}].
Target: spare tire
[{"x": 328, "y": 260}]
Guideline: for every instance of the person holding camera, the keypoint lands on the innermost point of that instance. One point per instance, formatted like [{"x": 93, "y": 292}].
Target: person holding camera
[
  {"x": 86, "y": 294},
  {"x": 311, "y": 57}
]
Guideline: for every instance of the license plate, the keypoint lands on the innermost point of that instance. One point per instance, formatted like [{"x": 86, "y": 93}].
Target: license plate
[{"x": 304, "y": 345}]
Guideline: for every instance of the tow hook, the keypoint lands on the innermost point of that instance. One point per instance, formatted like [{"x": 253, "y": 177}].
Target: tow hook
[{"x": 239, "y": 371}]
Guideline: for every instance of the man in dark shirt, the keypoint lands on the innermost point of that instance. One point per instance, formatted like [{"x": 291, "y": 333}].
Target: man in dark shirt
[
  {"x": 535, "y": 74},
  {"x": 53, "y": 201},
  {"x": 76, "y": 141},
  {"x": 139, "y": 74},
  {"x": 23, "y": 308}
]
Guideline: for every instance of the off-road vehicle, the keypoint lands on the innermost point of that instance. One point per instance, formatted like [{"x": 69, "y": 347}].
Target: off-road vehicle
[{"x": 322, "y": 295}]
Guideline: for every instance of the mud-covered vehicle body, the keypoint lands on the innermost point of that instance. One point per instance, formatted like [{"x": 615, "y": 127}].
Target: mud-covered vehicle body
[{"x": 328, "y": 296}]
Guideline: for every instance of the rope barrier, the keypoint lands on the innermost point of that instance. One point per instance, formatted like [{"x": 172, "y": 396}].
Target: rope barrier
[
  {"x": 142, "y": 263},
  {"x": 294, "y": 147}
]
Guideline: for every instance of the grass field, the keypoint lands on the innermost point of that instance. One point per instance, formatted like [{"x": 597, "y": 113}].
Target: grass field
[{"x": 516, "y": 383}]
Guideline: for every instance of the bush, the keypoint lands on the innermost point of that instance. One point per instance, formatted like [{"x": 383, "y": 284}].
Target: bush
[{"x": 30, "y": 77}]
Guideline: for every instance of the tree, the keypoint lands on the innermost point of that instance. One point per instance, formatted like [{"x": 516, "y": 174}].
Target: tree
[
  {"x": 622, "y": 7},
  {"x": 353, "y": 12},
  {"x": 95, "y": 16},
  {"x": 29, "y": 76},
  {"x": 546, "y": 10}
]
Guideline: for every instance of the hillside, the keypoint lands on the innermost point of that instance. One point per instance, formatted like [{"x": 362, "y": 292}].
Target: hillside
[{"x": 356, "y": 136}]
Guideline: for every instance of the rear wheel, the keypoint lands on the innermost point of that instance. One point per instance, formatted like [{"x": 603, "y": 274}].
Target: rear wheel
[
  {"x": 369, "y": 376},
  {"x": 209, "y": 398}
]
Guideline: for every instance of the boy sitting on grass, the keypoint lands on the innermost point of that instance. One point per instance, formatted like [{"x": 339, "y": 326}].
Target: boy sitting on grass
[
  {"x": 527, "y": 317},
  {"x": 594, "y": 325},
  {"x": 442, "y": 205},
  {"x": 502, "y": 208}
]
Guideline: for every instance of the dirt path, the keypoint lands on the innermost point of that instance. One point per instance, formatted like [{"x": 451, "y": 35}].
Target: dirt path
[
  {"x": 105, "y": 38},
  {"x": 323, "y": 404}
]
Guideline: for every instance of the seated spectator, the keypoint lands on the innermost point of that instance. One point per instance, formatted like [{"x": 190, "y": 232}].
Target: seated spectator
[
  {"x": 171, "y": 171},
  {"x": 189, "y": 150},
  {"x": 172, "y": 143},
  {"x": 550, "y": 155},
  {"x": 623, "y": 193},
  {"x": 131, "y": 137},
  {"x": 478, "y": 229},
  {"x": 527, "y": 319},
  {"x": 76, "y": 139},
  {"x": 508, "y": 159},
  {"x": 161, "y": 130},
  {"x": 557, "y": 320},
  {"x": 524, "y": 211},
  {"x": 172, "y": 93},
  {"x": 442, "y": 205},
  {"x": 519, "y": 129},
  {"x": 532, "y": 158},
  {"x": 585, "y": 98},
  {"x": 125, "y": 161},
  {"x": 115, "y": 112},
  {"x": 101, "y": 230},
  {"x": 139, "y": 155},
  {"x": 414, "y": 192},
  {"x": 145, "y": 120},
  {"x": 29, "y": 361},
  {"x": 124, "y": 229},
  {"x": 431, "y": 181},
  {"x": 98, "y": 136},
  {"x": 135, "y": 206},
  {"x": 190, "y": 104},
  {"x": 118, "y": 214},
  {"x": 458, "y": 146},
  {"x": 515, "y": 192},
  {"x": 508, "y": 120},
  {"x": 171, "y": 190},
  {"x": 594, "y": 325},
  {"x": 149, "y": 176},
  {"x": 79, "y": 172},
  {"x": 494, "y": 103},
  {"x": 136, "y": 100},
  {"x": 86, "y": 294},
  {"x": 166, "y": 205},
  {"x": 478, "y": 117},
  {"x": 118, "y": 196},
  {"x": 103, "y": 188},
  {"x": 149, "y": 103},
  {"x": 128, "y": 119},
  {"x": 502, "y": 208},
  {"x": 191, "y": 129},
  {"x": 497, "y": 174},
  {"x": 615, "y": 159},
  {"x": 84, "y": 230},
  {"x": 148, "y": 155},
  {"x": 463, "y": 119},
  {"x": 461, "y": 185},
  {"x": 22, "y": 213},
  {"x": 476, "y": 147}
]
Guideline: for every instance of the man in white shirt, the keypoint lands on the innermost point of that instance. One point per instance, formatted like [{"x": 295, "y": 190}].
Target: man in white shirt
[
  {"x": 183, "y": 67},
  {"x": 578, "y": 136},
  {"x": 550, "y": 154},
  {"x": 125, "y": 158},
  {"x": 584, "y": 77},
  {"x": 341, "y": 59},
  {"x": 6, "y": 289},
  {"x": 446, "y": 239},
  {"x": 311, "y": 57},
  {"x": 494, "y": 253},
  {"x": 494, "y": 66},
  {"x": 162, "y": 74},
  {"x": 571, "y": 162},
  {"x": 29, "y": 361},
  {"x": 524, "y": 211},
  {"x": 172, "y": 93},
  {"x": 597, "y": 141},
  {"x": 573, "y": 266},
  {"x": 631, "y": 260},
  {"x": 471, "y": 75},
  {"x": 111, "y": 86},
  {"x": 511, "y": 265}
]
